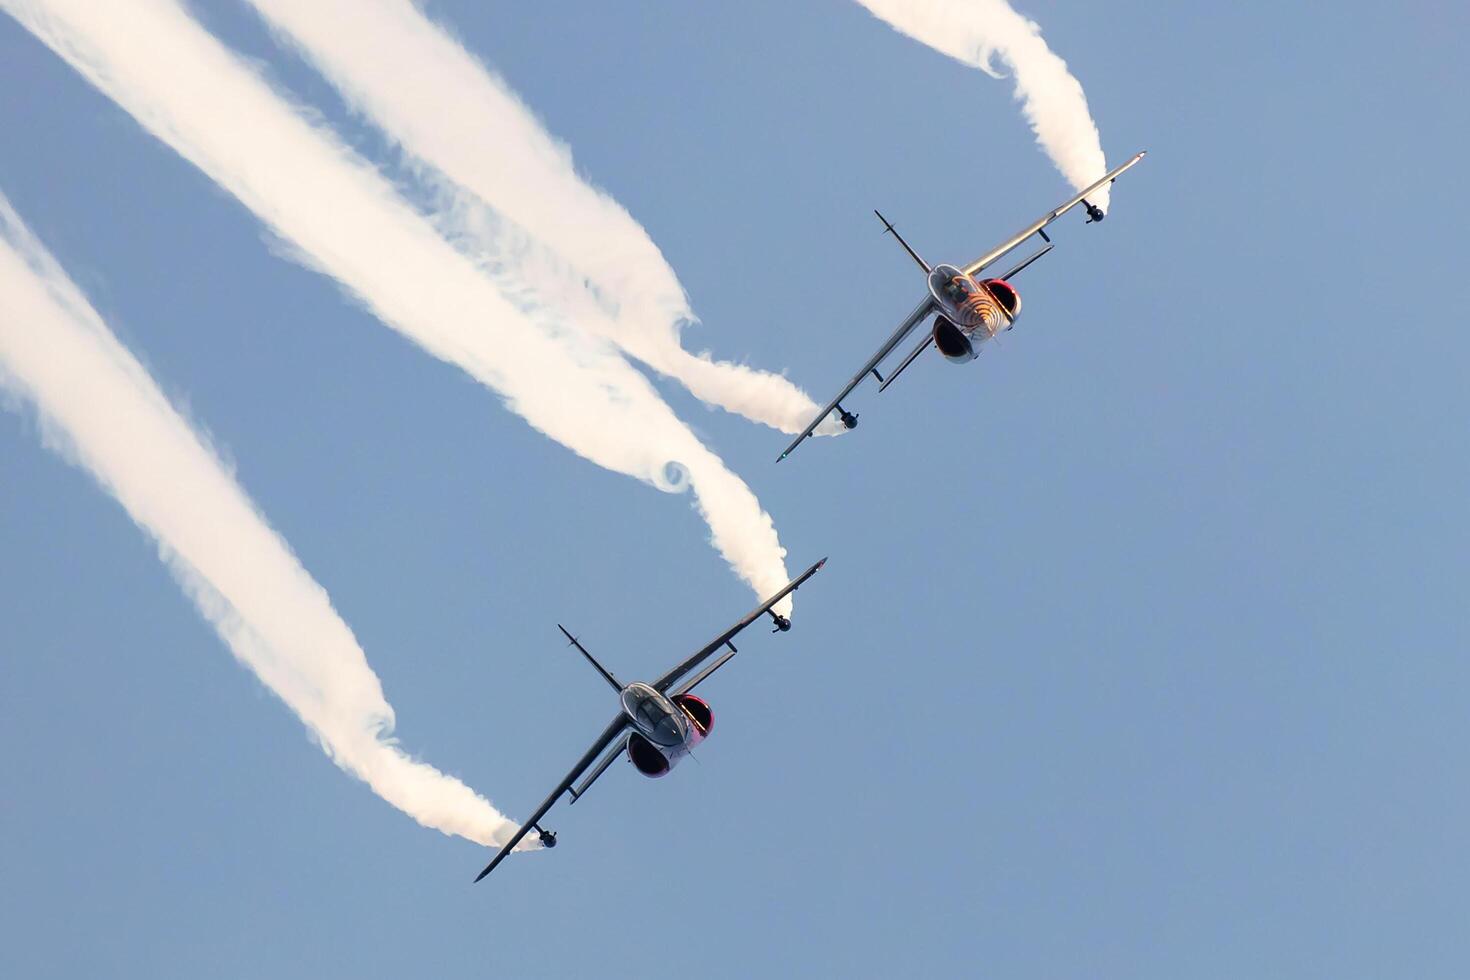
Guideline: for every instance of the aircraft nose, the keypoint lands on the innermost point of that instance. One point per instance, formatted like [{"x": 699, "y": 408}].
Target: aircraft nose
[{"x": 666, "y": 732}]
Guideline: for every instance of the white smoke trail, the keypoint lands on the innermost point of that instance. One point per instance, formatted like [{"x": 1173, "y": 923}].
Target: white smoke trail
[
  {"x": 974, "y": 32},
  {"x": 342, "y": 218},
  {"x": 101, "y": 410},
  {"x": 481, "y": 144}
]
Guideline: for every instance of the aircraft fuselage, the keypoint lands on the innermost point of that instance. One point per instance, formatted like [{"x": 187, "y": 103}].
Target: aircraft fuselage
[
  {"x": 971, "y": 311},
  {"x": 664, "y": 729}
]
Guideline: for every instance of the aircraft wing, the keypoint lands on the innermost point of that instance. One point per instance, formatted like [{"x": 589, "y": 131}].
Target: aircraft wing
[
  {"x": 990, "y": 257},
  {"x": 603, "y": 741},
  {"x": 904, "y": 329},
  {"x": 672, "y": 677}
]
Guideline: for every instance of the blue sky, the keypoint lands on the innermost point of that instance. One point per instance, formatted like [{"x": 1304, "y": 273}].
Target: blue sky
[{"x": 1140, "y": 651}]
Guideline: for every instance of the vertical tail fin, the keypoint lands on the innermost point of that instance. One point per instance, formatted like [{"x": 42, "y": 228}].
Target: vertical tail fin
[
  {"x": 606, "y": 674},
  {"x": 888, "y": 227}
]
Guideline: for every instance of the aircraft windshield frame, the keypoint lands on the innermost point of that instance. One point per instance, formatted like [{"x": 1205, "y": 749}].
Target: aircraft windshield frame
[
  {"x": 949, "y": 283},
  {"x": 651, "y": 714}
]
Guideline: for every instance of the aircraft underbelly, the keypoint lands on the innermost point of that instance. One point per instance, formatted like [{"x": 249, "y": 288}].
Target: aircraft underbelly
[
  {"x": 979, "y": 319},
  {"x": 674, "y": 753}
]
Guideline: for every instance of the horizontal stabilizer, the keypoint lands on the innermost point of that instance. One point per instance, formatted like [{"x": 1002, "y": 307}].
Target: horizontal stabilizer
[
  {"x": 913, "y": 354},
  {"x": 698, "y": 678},
  {"x": 1018, "y": 269},
  {"x": 607, "y": 760}
]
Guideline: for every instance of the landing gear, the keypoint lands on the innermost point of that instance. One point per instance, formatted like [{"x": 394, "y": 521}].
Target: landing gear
[{"x": 848, "y": 418}]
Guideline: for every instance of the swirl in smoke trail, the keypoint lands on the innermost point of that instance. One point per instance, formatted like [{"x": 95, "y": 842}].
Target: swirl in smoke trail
[
  {"x": 502, "y": 177},
  {"x": 339, "y": 216}
]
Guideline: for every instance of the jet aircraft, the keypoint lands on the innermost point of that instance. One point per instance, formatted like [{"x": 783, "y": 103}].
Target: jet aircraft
[
  {"x": 666, "y": 718},
  {"x": 970, "y": 310}
]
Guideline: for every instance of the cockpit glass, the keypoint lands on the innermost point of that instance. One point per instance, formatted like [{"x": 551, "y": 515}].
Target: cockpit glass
[
  {"x": 950, "y": 283},
  {"x": 649, "y": 713}
]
